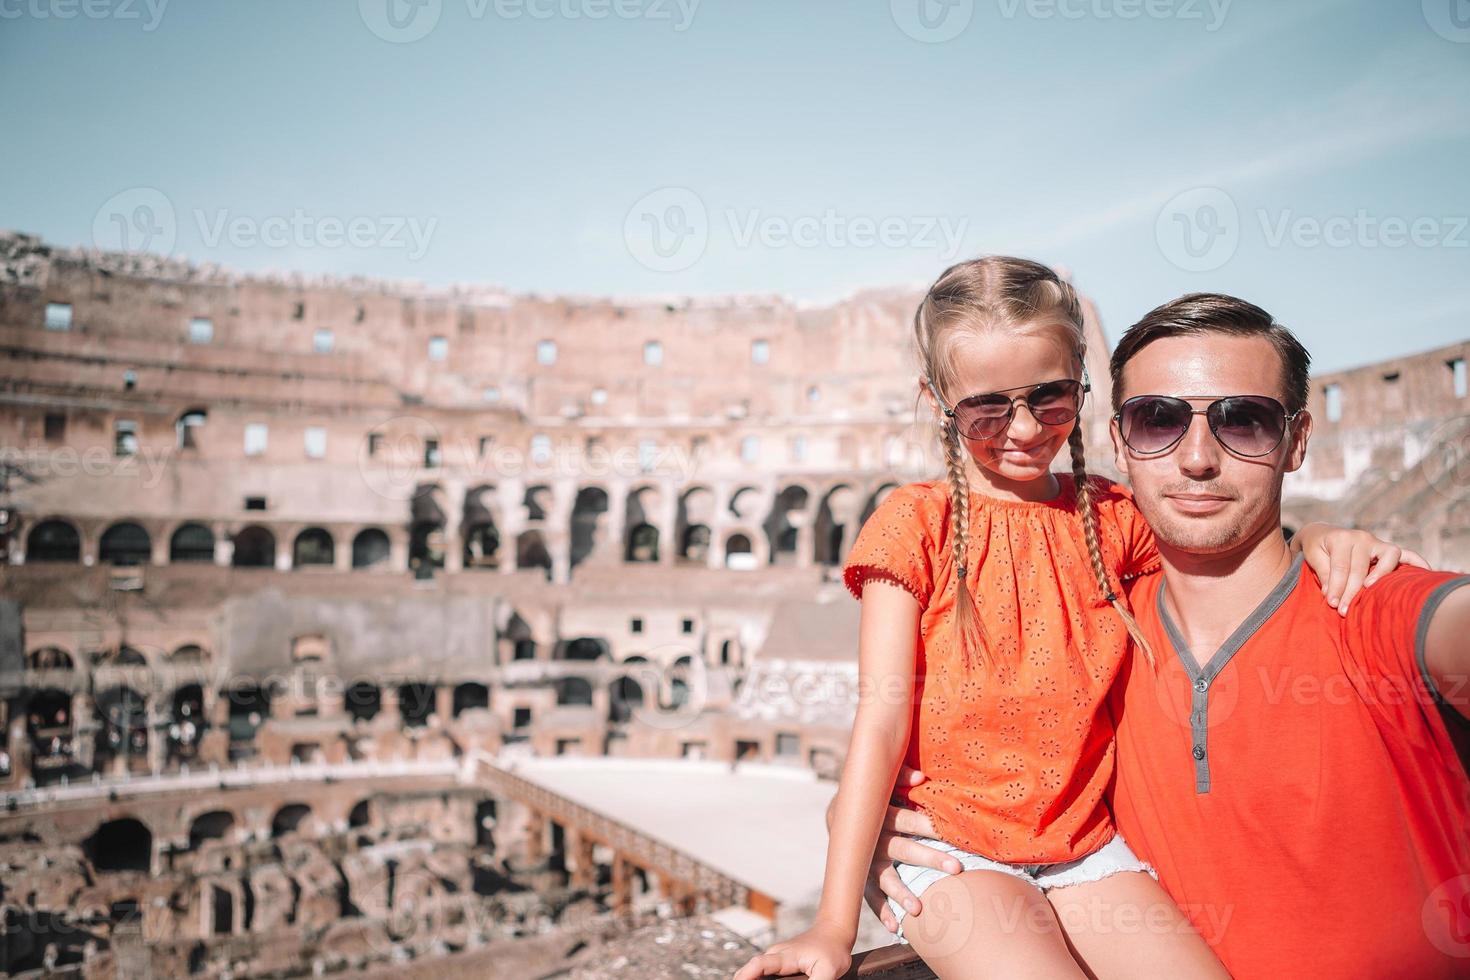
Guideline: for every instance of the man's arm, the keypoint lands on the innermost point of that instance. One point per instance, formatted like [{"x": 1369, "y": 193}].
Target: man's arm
[
  {"x": 1445, "y": 647},
  {"x": 895, "y": 843}
]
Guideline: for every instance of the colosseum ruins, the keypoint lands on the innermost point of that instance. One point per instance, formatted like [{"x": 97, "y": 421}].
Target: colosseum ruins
[{"x": 338, "y": 613}]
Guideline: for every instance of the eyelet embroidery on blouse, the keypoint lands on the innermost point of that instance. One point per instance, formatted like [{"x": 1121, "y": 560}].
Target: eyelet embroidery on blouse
[{"x": 1012, "y": 756}]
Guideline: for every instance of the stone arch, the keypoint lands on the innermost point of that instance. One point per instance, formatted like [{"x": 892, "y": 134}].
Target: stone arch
[
  {"x": 122, "y": 655},
  {"x": 625, "y": 695},
  {"x": 584, "y": 648},
  {"x": 50, "y": 658},
  {"x": 479, "y": 528},
  {"x": 189, "y": 653},
  {"x": 738, "y": 554},
  {"x": 642, "y": 511},
  {"x": 361, "y": 814},
  {"x": 54, "y": 540},
  {"x": 49, "y": 727},
  {"x": 191, "y": 542},
  {"x": 255, "y": 547},
  {"x": 587, "y": 511},
  {"x": 783, "y": 525},
  {"x": 363, "y": 700},
  {"x": 290, "y": 819},
  {"x": 249, "y": 705},
  {"x": 538, "y": 502},
  {"x": 470, "y": 696},
  {"x": 429, "y": 518},
  {"x": 124, "y": 844},
  {"x": 123, "y": 716},
  {"x": 415, "y": 703},
  {"x": 125, "y": 543},
  {"x": 573, "y": 690},
  {"x": 832, "y": 519},
  {"x": 190, "y": 419},
  {"x": 371, "y": 547},
  {"x": 531, "y": 551},
  {"x": 523, "y": 643},
  {"x": 694, "y": 518},
  {"x": 745, "y": 504},
  {"x": 313, "y": 546},
  {"x": 214, "y": 825}
]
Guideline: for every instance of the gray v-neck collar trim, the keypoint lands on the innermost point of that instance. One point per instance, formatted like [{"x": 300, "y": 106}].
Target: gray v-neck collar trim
[
  {"x": 1243, "y": 632},
  {"x": 1202, "y": 677}
]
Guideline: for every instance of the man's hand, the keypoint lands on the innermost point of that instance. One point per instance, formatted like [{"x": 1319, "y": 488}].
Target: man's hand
[{"x": 895, "y": 843}]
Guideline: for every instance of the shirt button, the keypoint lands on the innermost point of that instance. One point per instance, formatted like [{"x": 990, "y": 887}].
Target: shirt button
[
  {"x": 1201, "y": 685},
  {"x": 1199, "y": 751}
]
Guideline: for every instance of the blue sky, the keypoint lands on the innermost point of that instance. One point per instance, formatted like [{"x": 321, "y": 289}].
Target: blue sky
[{"x": 1309, "y": 156}]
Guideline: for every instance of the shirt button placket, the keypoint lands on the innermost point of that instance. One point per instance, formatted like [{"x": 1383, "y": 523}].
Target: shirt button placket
[{"x": 1199, "y": 718}]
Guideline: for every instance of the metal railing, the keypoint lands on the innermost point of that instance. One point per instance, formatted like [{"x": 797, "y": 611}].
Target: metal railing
[{"x": 642, "y": 849}]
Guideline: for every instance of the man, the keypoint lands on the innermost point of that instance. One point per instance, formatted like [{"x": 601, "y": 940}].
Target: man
[{"x": 1295, "y": 773}]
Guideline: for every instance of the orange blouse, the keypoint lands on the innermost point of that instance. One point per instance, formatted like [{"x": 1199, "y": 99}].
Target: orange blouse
[{"x": 1016, "y": 762}]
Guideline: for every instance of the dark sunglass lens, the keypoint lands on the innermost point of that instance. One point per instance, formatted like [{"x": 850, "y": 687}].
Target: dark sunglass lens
[
  {"x": 1250, "y": 425},
  {"x": 982, "y": 416},
  {"x": 1056, "y": 403},
  {"x": 1151, "y": 425}
]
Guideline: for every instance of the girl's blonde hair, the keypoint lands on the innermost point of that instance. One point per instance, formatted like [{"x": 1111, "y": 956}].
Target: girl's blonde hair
[{"x": 997, "y": 292}]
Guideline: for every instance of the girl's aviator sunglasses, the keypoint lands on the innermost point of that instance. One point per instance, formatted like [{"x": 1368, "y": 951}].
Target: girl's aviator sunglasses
[
  {"x": 987, "y": 415},
  {"x": 1247, "y": 425}
]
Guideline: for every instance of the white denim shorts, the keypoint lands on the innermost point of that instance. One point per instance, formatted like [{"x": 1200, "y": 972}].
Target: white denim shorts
[{"x": 1112, "y": 857}]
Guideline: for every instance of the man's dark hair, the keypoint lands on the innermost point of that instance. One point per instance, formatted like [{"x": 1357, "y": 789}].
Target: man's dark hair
[{"x": 1201, "y": 313}]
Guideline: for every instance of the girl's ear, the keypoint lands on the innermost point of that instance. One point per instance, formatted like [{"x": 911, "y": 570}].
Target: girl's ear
[{"x": 929, "y": 396}]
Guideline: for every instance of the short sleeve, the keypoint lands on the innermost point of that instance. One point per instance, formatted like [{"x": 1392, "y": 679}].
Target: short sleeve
[
  {"x": 1134, "y": 549},
  {"x": 899, "y": 542},
  {"x": 1387, "y": 623},
  {"x": 1384, "y": 635}
]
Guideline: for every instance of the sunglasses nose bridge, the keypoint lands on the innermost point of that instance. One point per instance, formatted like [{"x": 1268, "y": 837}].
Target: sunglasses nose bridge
[
  {"x": 1199, "y": 447},
  {"x": 1033, "y": 424}
]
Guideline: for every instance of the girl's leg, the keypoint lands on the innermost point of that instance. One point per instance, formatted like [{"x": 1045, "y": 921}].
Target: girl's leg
[
  {"x": 1126, "y": 925},
  {"x": 982, "y": 924}
]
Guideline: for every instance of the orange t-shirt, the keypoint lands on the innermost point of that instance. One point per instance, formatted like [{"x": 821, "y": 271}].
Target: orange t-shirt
[
  {"x": 1017, "y": 762},
  {"x": 1301, "y": 796}
]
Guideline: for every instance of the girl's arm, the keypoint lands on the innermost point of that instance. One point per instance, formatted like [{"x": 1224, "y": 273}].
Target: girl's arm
[
  {"x": 1341, "y": 558},
  {"x": 887, "y": 641},
  {"x": 887, "y": 645}
]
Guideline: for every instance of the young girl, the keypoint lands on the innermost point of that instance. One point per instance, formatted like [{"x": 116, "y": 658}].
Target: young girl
[{"x": 991, "y": 630}]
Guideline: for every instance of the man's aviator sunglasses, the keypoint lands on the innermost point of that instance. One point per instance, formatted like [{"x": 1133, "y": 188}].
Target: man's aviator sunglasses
[
  {"x": 986, "y": 415},
  {"x": 1247, "y": 425}
]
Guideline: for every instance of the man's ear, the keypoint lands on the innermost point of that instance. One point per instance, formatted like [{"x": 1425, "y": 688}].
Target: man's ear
[
  {"x": 1120, "y": 451},
  {"x": 1301, "y": 431}
]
